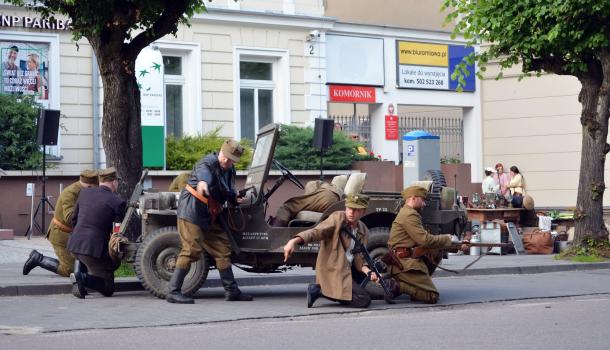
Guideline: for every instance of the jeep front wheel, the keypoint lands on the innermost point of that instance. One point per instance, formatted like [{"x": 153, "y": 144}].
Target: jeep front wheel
[{"x": 156, "y": 260}]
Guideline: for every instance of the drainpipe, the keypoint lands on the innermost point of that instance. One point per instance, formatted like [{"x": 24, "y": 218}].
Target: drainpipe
[{"x": 96, "y": 113}]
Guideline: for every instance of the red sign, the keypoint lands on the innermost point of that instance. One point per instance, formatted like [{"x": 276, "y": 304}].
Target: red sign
[
  {"x": 350, "y": 93},
  {"x": 391, "y": 127}
]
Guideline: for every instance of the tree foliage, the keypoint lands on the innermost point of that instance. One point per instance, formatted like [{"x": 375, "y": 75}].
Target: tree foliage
[
  {"x": 295, "y": 150},
  {"x": 559, "y": 36},
  {"x": 18, "y": 147},
  {"x": 568, "y": 37},
  {"x": 118, "y": 30}
]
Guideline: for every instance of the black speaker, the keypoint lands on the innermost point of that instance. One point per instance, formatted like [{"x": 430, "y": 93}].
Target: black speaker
[
  {"x": 48, "y": 127},
  {"x": 323, "y": 133}
]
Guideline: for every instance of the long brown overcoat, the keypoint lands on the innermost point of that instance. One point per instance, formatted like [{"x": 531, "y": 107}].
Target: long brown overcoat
[{"x": 333, "y": 271}]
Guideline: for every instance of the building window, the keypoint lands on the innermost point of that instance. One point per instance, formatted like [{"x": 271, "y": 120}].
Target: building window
[
  {"x": 182, "y": 78},
  {"x": 255, "y": 96},
  {"x": 174, "y": 101},
  {"x": 263, "y": 89}
]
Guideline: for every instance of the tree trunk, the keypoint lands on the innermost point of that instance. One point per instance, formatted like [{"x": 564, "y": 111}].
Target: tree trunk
[
  {"x": 121, "y": 126},
  {"x": 589, "y": 218}
]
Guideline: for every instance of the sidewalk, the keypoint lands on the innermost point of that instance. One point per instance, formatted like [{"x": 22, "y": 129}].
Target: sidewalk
[{"x": 13, "y": 254}]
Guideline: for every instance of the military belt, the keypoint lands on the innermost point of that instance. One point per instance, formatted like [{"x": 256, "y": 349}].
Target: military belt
[{"x": 61, "y": 226}]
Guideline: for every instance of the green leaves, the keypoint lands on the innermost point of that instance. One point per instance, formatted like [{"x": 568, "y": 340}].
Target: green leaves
[
  {"x": 295, "y": 150},
  {"x": 183, "y": 153},
  {"x": 18, "y": 147},
  {"x": 552, "y": 35}
]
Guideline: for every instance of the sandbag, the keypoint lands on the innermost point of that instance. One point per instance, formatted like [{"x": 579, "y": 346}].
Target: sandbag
[{"x": 538, "y": 242}]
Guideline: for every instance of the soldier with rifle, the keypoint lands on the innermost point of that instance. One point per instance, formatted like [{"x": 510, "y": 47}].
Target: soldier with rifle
[
  {"x": 409, "y": 268},
  {"x": 200, "y": 222},
  {"x": 339, "y": 270}
]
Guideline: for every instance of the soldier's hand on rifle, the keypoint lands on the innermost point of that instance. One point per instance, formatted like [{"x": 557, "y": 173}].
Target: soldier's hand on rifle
[
  {"x": 202, "y": 188},
  {"x": 369, "y": 272},
  {"x": 291, "y": 246}
]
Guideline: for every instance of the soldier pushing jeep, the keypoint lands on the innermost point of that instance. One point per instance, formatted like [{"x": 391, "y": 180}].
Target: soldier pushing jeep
[{"x": 211, "y": 184}]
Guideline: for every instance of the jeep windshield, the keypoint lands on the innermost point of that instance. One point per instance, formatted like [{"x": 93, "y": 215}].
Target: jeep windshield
[{"x": 263, "y": 156}]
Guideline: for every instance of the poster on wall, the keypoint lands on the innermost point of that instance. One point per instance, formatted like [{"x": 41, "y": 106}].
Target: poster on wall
[
  {"x": 25, "y": 69},
  {"x": 429, "y": 66}
]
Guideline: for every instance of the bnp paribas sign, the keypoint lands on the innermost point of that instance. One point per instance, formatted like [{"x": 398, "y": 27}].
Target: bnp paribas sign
[{"x": 34, "y": 22}]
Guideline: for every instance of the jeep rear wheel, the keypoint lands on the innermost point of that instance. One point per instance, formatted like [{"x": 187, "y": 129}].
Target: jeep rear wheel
[
  {"x": 378, "y": 241},
  {"x": 156, "y": 260}
]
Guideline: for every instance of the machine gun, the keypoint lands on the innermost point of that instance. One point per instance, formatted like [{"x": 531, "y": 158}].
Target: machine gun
[
  {"x": 360, "y": 248},
  {"x": 132, "y": 203}
]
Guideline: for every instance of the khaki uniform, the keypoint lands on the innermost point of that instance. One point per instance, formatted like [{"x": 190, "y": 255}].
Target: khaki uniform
[
  {"x": 64, "y": 208},
  {"x": 413, "y": 276},
  {"x": 319, "y": 200},
  {"x": 333, "y": 271},
  {"x": 195, "y": 240}
]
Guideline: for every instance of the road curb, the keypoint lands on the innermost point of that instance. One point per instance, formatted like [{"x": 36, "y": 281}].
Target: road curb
[{"x": 132, "y": 284}]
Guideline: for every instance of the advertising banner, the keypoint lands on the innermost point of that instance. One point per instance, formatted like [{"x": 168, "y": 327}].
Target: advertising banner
[
  {"x": 429, "y": 66},
  {"x": 25, "y": 69},
  {"x": 149, "y": 73}
]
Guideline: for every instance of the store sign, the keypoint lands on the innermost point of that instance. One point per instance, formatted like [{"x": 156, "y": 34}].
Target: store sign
[
  {"x": 429, "y": 66},
  {"x": 149, "y": 73},
  {"x": 353, "y": 94},
  {"x": 35, "y": 22}
]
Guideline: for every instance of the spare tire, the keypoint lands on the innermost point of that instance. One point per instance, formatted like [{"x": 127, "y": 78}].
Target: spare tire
[
  {"x": 438, "y": 180},
  {"x": 156, "y": 260}
]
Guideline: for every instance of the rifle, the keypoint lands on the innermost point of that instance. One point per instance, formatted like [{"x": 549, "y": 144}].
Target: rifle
[{"x": 360, "y": 248}]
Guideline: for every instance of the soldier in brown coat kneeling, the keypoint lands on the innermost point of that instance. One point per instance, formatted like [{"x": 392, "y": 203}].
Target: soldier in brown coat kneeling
[{"x": 338, "y": 270}]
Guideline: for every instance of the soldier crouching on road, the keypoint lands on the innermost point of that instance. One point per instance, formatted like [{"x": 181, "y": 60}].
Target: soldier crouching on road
[
  {"x": 61, "y": 227},
  {"x": 407, "y": 233},
  {"x": 96, "y": 210},
  {"x": 338, "y": 271},
  {"x": 211, "y": 184}
]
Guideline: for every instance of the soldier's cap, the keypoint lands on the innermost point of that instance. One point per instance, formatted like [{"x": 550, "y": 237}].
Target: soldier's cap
[
  {"x": 107, "y": 175},
  {"x": 357, "y": 201},
  {"x": 232, "y": 150},
  {"x": 414, "y": 191},
  {"x": 89, "y": 177}
]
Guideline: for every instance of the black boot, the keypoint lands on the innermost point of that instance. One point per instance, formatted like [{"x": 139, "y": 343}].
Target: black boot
[
  {"x": 101, "y": 285},
  {"x": 33, "y": 260},
  {"x": 232, "y": 292},
  {"x": 174, "y": 294},
  {"x": 78, "y": 284},
  {"x": 277, "y": 222},
  {"x": 313, "y": 293},
  {"x": 82, "y": 268}
]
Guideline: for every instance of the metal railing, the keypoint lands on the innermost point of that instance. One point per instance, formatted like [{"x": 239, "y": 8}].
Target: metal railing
[
  {"x": 449, "y": 127},
  {"x": 357, "y": 127},
  {"x": 448, "y": 124}
]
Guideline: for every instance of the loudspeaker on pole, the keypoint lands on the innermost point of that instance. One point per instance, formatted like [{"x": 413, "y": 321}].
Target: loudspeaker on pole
[
  {"x": 323, "y": 133},
  {"x": 47, "y": 128}
]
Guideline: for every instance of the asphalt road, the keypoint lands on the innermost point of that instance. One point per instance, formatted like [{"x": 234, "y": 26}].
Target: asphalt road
[{"x": 564, "y": 310}]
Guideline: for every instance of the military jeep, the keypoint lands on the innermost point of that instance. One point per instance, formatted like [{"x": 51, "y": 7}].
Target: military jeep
[{"x": 258, "y": 247}]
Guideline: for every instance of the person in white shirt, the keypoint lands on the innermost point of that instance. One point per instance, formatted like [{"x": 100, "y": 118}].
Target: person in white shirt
[{"x": 489, "y": 184}]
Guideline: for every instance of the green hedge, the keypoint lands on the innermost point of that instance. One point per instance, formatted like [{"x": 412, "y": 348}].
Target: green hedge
[
  {"x": 18, "y": 147},
  {"x": 295, "y": 150},
  {"x": 184, "y": 152}
]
